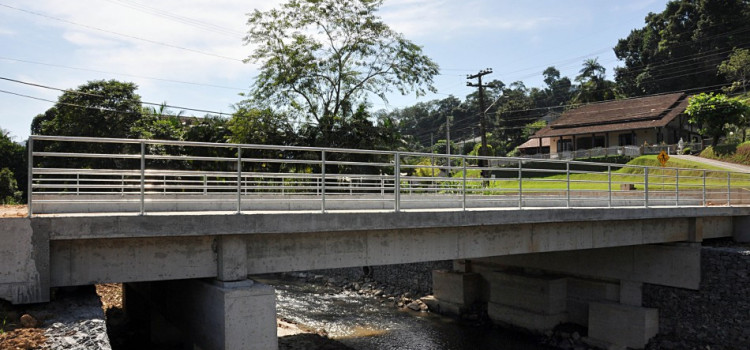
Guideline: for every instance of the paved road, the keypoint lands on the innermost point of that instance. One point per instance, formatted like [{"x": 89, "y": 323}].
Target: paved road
[{"x": 731, "y": 166}]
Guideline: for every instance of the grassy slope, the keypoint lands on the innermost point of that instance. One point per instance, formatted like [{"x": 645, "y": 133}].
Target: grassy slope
[{"x": 690, "y": 177}]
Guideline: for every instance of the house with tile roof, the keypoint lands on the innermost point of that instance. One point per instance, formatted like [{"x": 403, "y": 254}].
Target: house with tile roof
[{"x": 629, "y": 122}]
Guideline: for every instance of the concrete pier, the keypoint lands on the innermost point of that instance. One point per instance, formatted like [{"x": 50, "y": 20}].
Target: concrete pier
[
  {"x": 534, "y": 302},
  {"x": 210, "y": 314}
]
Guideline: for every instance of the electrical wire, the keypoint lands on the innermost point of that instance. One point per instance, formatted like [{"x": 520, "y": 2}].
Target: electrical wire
[
  {"x": 124, "y": 74},
  {"x": 121, "y": 34},
  {"x": 103, "y": 96}
]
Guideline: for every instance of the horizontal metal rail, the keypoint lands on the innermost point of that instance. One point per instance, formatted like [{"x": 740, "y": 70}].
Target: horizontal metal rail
[{"x": 142, "y": 176}]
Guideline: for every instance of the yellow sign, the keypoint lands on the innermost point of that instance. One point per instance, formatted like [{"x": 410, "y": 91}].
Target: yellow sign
[{"x": 663, "y": 157}]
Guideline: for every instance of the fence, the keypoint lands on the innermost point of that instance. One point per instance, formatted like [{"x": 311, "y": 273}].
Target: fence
[{"x": 95, "y": 175}]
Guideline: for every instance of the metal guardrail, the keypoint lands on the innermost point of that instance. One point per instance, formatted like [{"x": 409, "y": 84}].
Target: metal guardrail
[{"x": 98, "y": 175}]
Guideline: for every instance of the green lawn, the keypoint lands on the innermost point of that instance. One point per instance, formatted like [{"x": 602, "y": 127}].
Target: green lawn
[{"x": 690, "y": 178}]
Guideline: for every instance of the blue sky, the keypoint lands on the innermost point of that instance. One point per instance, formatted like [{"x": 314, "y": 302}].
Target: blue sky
[{"x": 188, "y": 53}]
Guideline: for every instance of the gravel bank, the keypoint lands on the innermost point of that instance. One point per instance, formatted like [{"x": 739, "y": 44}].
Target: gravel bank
[
  {"x": 74, "y": 320},
  {"x": 715, "y": 317}
]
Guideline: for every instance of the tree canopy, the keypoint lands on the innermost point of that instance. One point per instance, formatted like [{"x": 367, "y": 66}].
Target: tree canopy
[
  {"x": 715, "y": 114},
  {"x": 12, "y": 169},
  {"x": 321, "y": 57},
  {"x": 736, "y": 69},
  {"x": 102, "y": 108},
  {"x": 681, "y": 47}
]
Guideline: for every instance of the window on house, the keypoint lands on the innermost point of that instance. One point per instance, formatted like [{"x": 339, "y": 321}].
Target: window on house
[
  {"x": 564, "y": 145},
  {"x": 626, "y": 139}
]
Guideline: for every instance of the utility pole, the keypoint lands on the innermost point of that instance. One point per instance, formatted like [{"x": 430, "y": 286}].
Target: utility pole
[
  {"x": 448, "y": 141},
  {"x": 432, "y": 158},
  {"x": 448, "y": 135},
  {"x": 482, "y": 117}
]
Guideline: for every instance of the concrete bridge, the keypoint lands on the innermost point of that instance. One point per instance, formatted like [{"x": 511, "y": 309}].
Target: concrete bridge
[{"x": 535, "y": 266}]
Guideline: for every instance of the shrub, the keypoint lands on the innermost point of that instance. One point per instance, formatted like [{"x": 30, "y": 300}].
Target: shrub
[
  {"x": 725, "y": 150},
  {"x": 708, "y": 152},
  {"x": 742, "y": 155},
  {"x": 9, "y": 193},
  {"x": 686, "y": 150}
]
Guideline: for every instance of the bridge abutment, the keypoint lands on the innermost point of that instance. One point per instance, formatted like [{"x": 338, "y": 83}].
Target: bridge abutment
[
  {"x": 24, "y": 262},
  {"x": 210, "y": 314}
]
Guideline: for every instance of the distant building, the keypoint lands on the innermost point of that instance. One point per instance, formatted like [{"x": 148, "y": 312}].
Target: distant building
[
  {"x": 635, "y": 121},
  {"x": 535, "y": 146}
]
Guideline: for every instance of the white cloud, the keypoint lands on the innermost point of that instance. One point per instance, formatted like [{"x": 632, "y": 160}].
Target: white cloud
[
  {"x": 449, "y": 19},
  {"x": 88, "y": 40}
]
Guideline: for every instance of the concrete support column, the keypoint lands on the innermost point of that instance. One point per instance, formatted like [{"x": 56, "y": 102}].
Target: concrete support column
[
  {"x": 622, "y": 325},
  {"x": 462, "y": 265},
  {"x": 453, "y": 291},
  {"x": 695, "y": 230},
  {"x": 631, "y": 293},
  {"x": 741, "y": 229},
  {"x": 211, "y": 314},
  {"x": 581, "y": 292},
  {"x": 231, "y": 258},
  {"x": 535, "y": 302}
]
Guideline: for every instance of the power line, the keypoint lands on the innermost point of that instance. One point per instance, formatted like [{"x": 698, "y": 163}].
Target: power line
[
  {"x": 103, "y": 96},
  {"x": 123, "y": 74},
  {"x": 121, "y": 34},
  {"x": 79, "y": 106},
  {"x": 177, "y": 18}
]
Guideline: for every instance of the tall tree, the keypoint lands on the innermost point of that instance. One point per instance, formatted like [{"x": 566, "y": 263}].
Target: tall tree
[
  {"x": 259, "y": 126},
  {"x": 680, "y": 47},
  {"x": 322, "y": 57},
  {"x": 12, "y": 169},
  {"x": 593, "y": 86},
  {"x": 736, "y": 69},
  {"x": 102, "y": 108},
  {"x": 97, "y": 109}
]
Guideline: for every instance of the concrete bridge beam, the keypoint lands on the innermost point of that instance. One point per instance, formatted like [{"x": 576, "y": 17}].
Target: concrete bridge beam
[{"x": 673, "y": 265}]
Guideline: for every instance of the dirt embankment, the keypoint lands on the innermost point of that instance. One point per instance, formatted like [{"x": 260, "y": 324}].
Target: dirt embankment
[{"x": 13, "y": 211}]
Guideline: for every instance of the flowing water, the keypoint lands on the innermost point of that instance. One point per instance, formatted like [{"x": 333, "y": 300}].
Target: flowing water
[{"x": 368, "y": 323}]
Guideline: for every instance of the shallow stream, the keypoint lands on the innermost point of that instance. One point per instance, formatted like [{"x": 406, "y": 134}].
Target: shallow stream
[{"x": 364, "y": 322}]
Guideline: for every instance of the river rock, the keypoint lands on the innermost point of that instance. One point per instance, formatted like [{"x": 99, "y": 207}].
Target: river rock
[
  {"x": 28, "y": 321},
  {"x": 414, "y": 306}
]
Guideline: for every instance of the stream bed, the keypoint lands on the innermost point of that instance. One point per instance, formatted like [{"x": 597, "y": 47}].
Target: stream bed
[{"x": 367, "y": 322}]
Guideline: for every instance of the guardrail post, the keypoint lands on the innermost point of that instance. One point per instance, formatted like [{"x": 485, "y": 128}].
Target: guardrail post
[
  {"x": 323, "y": 181},
  {"x": 78, "y": 184},
  {"x": 30, "y": 175},
  {"x": 704, "y": 189},
  {"x": 609, "y": 186},
  {"x": 464, "y": 184},
  {"x": 382, "y": 185},
  {"x": 143, "y": 178},
  {"x": 645, "y": 187},
  {"x": 567, "y": 182},
  {"x": 205, "y": 185},
  {"x": 239, "y": 179},
  {"x": 397, "y": 177},
  {"x": 729, "y": 189},
  {"x": 122, "y": 185},
  {"x": 520, "y": 184},
  {"x": 677, "y": 187}
]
